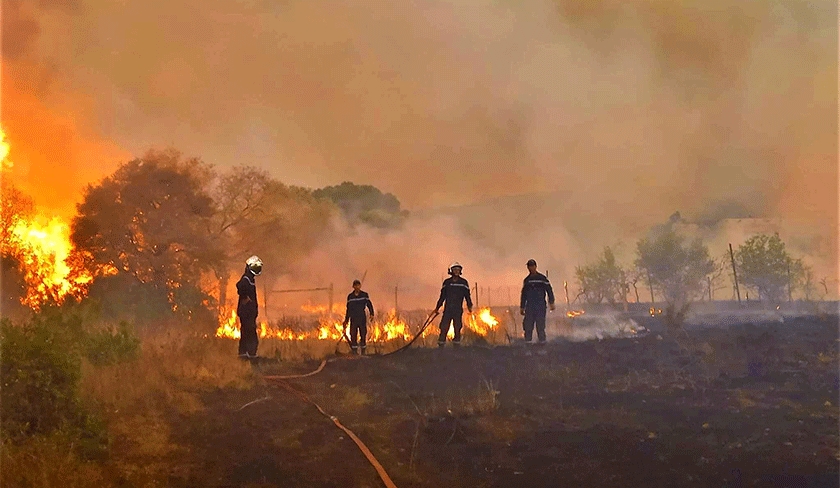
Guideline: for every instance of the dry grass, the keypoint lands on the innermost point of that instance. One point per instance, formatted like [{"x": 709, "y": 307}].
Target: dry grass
[
  {"x": 172, "y": 368},
  {"x": 481, "y": 400},
  {"x": 44, "y": 462},
  {"x": 137, "y": 397}
]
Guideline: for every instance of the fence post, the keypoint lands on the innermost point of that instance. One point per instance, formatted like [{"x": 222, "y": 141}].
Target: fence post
[
  {"x": 331, "y": 298},
  {"x": 735, "y": 274}
]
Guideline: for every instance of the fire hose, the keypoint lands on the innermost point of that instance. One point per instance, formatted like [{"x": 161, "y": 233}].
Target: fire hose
[
  {"x": 361, "y": 445},
  {"x": 428, "y": 321}
]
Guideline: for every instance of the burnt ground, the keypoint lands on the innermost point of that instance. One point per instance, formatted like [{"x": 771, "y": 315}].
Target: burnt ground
[{"x": 748, "y": 405}]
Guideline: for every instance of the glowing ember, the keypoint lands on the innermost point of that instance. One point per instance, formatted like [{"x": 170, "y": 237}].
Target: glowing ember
[
  {"x": 575, "y": 313},
  {"x": 655, "y": 311}
]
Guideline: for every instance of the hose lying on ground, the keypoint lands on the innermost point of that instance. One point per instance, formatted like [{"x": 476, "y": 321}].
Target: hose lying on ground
[{"x": 361, "y": 445}]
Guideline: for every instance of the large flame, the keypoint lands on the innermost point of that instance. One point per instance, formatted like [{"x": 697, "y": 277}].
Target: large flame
[
  {"x": 5, "y": 163},
  {"x": 43, "y": 252},
  {"x": 390, "y": 329},
  {"x": 484, "y": 324},
  {"x": 42, "y": 249}
]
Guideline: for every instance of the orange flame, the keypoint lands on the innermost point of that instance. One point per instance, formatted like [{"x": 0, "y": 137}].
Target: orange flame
[
  {"x": 393, "y": 328},
  {"x": 42, "y": 249},
  {"x": 575, "y": 313},
  {"x": 655, "y": 311},
  {"x": 5, "y": 164},
  {"x": 484, "y": 324}
]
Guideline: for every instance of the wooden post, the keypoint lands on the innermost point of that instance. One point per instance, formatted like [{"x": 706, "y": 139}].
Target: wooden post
[
  {"x": 566, "y": 291},
  {"x": 396, "y": 299},
  {"x": 265, "y": 303},
  {"x": 790, "y": 294},
  {"x": 489, "y": 296},
  {"x": 625, "y": 288},
  {"x": 331, "y": 298},
  {"x": 650, "y": 284},
  {"x": 476, "y": 295},
  {"x": 735, "y": 273}
]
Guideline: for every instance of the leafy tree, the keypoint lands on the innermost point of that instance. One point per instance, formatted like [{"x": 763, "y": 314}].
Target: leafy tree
[
  {"x": 602, "y": 280},
  {"x": 766, "y": 267},
  {"x": 364, "y": 204},
  {"x": 677, "y": 269},
  {"x": 148, "y": 221},
  {"x": 256, "y": 214}
]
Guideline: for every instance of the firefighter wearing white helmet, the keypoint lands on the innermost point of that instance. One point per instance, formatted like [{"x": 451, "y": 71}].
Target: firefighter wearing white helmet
[
  {"x": 453, "y": 293},
  {"x": 247, "y": 308}
]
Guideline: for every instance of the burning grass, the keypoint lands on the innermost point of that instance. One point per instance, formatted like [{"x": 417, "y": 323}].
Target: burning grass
[{"x": 314, "y": 337}]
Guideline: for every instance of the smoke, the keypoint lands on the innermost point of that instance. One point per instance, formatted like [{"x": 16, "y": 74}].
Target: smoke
[
  {"x": 590, "y": 327},
  {"x": 56, "y": 145},
  {"x": 606, "y": 116},
  {"x": 413, "y": 261}
]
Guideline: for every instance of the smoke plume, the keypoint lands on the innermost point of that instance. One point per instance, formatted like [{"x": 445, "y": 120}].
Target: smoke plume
[{"x": 566, "y": 124}]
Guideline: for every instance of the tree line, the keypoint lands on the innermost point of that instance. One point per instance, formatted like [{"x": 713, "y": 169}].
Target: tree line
[
  {"x": 165, "y": 233},
  {"x": 680, "y": 270}
]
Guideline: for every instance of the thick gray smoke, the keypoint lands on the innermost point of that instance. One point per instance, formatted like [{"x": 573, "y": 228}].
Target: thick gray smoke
[{"x": 606, "y": 116}]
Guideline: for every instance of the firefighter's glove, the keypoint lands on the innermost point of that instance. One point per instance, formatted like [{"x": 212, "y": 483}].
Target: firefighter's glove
[{"x": 521, "y": 311}]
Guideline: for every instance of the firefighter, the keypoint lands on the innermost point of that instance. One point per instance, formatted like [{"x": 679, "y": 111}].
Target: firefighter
[
  {"x": 357, "y": 301},
  {"x": 532, "y": 302},
  {"x": 453, "y": 293},
  {"x": 247, "y": 308}
]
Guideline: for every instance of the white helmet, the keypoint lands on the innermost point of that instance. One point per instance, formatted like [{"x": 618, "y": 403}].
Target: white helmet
[
  {"x": 254, "y": 265},
  {"x": 456, "y": 264}
]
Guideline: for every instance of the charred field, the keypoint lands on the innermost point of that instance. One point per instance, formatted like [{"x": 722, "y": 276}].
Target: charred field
[{"x": 750, "y": 404}]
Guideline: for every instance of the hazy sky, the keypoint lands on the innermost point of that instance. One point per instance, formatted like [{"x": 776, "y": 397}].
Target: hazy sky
[
  {"x": 623, "y": 111},
  {"x": 698, "y": 103}
]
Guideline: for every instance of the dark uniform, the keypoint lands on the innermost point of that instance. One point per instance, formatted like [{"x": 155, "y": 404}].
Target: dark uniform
[
  {"x": 452, "y": 295},
  {"x": 355, "y": 313},
  {"x": 247, "y": 310},
  {"x": 534, "y": 289}
]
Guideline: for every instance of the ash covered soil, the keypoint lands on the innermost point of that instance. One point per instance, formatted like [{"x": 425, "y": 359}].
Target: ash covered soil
[{"x": 745, "y": 405}]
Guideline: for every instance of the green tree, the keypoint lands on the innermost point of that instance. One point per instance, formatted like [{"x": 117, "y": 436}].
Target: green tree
[
  {"x": 364, "y": 204},
  {"x": 148, "y": 222},
  {"x": 677, "y": 269},
  {"x": 602, "y": 280},
  {"x": 765, "y": 266}
]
